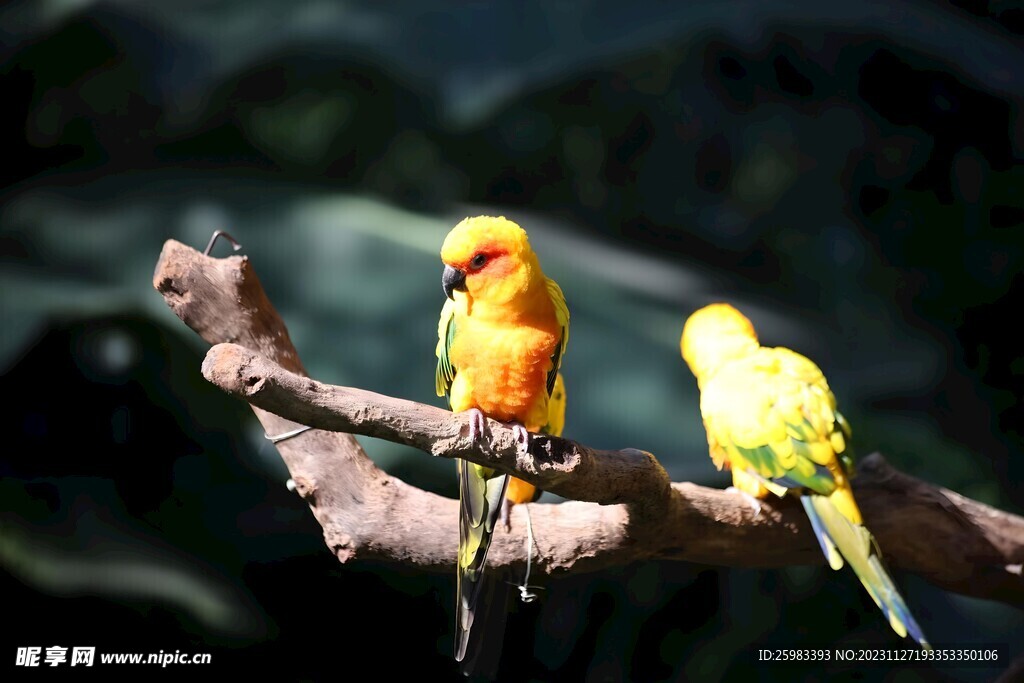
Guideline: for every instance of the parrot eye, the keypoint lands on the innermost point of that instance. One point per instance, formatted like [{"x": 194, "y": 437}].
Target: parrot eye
[{"x": 478, "y": 261}]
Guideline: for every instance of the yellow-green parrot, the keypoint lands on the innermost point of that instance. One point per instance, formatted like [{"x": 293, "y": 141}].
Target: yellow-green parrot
[{"x": 771, "y": 417}]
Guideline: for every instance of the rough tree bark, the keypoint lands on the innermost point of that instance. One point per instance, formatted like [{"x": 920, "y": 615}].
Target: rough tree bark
[{"x": 632, "y": 511}]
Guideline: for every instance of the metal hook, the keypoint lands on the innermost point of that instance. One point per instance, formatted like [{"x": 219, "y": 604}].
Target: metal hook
[{"x": 218, "y": 234}]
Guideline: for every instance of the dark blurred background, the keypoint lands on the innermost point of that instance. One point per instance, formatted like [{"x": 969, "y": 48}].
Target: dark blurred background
[{"x": 848, "y": 174}]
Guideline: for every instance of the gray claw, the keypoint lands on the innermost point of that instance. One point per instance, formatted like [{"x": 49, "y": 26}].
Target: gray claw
[
  {"x": 522, "y": 437},
  {"x": 477, "y": 426}
]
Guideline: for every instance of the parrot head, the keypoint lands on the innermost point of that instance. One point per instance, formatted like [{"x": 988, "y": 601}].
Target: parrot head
[
  {"x": 488, "y": 258},
  {"x": 715, "y": 335}
]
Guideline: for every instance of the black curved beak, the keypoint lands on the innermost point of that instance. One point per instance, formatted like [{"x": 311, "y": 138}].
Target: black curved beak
[{"x": 451, "y": 280}]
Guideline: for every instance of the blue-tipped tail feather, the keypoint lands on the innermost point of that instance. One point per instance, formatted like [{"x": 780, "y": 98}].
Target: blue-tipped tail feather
[{"x": 840, "y": 538}]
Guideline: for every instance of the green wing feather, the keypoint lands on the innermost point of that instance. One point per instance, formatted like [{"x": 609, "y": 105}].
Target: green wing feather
[
  {"x": 775, "y": 411},
  {"x": 445, "y": 373},
  {"x": 562, "y": 315},
  {"x": 556, "y": 408}
]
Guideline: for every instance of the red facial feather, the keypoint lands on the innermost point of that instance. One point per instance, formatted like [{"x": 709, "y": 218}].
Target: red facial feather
[{"x": 493, "y": 254}]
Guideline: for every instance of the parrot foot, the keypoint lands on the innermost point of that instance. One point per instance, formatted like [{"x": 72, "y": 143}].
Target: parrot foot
[
  {"x": 522, "y": 437},
  {"x": 477, "y": 426},
  {"x": 753, "y": 502}
]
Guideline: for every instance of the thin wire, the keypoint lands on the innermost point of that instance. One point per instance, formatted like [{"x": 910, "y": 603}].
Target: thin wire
[
  {"x": 287, "y": 435},
  {"x": 525, "y": 594}
]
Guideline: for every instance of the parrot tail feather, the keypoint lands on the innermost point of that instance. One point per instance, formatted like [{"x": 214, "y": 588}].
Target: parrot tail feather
[
  {"x": 840, "y": 538},
  {"x": 482, "y": 660},
  {"x": 480, "y": 506},
  {"x": 828, "y": 546}
]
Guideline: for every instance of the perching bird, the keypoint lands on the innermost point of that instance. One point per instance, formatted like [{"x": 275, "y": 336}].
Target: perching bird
[
  {"x": 501, "y": 338},
  {"x": 771, "y": 417}
]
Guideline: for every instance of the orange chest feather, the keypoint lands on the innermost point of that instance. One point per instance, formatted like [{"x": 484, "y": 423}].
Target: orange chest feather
[{"x": 502, "y": 369}]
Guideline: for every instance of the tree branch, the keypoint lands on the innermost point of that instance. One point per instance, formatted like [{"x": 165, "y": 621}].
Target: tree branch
[
  {"x": 952, "y": 541},
  {"x": 563, "y": 467}
]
